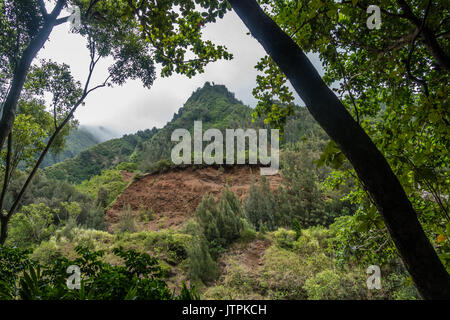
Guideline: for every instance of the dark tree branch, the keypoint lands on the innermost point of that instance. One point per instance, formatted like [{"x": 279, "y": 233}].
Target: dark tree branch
[
  {"x": 306, "y": 22},
  {"x": 429, "y": 38},
  {"x": 344, "y": 77},
  {"x": 57, "y": 9},
  {"x": 362, "y": 7},
  {"x": 421, "y": 82},
  {"x": 403, "y": 41},
  {"x": 7, "y": 173},
  {"x": 91, "y": 5},
  {"x": 43, "y": 9},
  {"x": 104, "y": 84},
  {"x": 61, "y": 20}
]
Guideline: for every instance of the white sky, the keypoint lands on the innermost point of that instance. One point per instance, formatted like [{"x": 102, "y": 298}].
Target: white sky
[{"x": 132, "y": 107}]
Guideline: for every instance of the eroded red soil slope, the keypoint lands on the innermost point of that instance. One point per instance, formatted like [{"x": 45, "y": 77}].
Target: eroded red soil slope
[{"x": 173, "y": 196}]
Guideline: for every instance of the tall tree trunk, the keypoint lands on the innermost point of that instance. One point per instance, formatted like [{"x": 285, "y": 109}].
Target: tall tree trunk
[
  {"x": 417, "y": 253},
  {"x": 20, "y": 74},
  {"x": 4, "y": 221}
]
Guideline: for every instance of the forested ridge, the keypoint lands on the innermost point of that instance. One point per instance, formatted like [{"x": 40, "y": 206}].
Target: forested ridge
[
  {"x": 77, "y": 141},
  {"x": 363, "y": 178}
]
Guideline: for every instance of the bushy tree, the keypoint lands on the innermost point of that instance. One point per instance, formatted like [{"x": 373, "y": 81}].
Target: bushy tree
[
  {"x": 220, "y": 222},
  {"x": 104, "y": 187},
  {"x": 53, "y": 194},
  {"x": 126, "y": 220},
  {"x": 201, "y": 265},
  {"x": 260, "y": 207},
  {"x": 30, "y": 226}
]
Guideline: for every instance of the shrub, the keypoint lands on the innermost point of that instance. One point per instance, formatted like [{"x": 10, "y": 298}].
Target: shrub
[
  {"x": 201, "y": 265},
  {"x": 126, "y": 221},
  {"x": 306, "y": 245},
  {"x": 248, "y": 234},
  {"x": 398, "y": 285},
  {"x": 289, "y": 263},
  {"x": 220, "y": 222},
  {"x": 127, "y": 166},
  {"x": 12, "y": 263},
  {"x": 297, "y": 227},
  {"x": 241, "y": 278},
  {"x": 284, "y": 274},
  {"x": 156, "y": 167},
  {"x": 137, "y": 176},
  {"x": 332, "y": 285},
  {"x": 71, "y": 211},
  {"x": 284, "y": 238},
  {"x": 95, "y": 219},
  {"x": 162, "y": 166},
  {"x": 96, "y": 237},
  {"x": 31, "y": 226},
  {"x": 167, "y": 244},
  {"x": 106, "y": 186},
  {"x": 260, "y": 207},
  {"x": 145, "y": 215},
  {"x": 46, "y": 252}
]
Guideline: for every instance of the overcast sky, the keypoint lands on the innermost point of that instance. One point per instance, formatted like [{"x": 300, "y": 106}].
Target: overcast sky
[{"x": 132, "y": 107}]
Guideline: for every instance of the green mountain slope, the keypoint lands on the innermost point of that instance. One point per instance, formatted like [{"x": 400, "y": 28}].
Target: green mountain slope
[
  {"x": 214, "y": 105},
  {"x": 77, "y": 141},
  {"x": 218, "y": 108},
  {"x": 99, "y": 157}
]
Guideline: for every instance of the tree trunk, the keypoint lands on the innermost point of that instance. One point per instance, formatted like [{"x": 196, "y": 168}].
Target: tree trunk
[
  {"x": 3, "y": 229},
  {"x": 417, "y": 253},
  {"x": 20, "y": 74}
]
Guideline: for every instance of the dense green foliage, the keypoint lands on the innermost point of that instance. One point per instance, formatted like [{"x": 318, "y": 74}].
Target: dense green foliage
[
  {"x": 52, "y": 194},
  {"x": 301, "y": 198},
  {"x": 100, "y": 157},
  {"x": 303, "y": 267},
  {"x": 139, "y": 278},
  {"x": 105, "y": 187},
  {"x": 220, "y": 222},
  {"x": 395, "y": 84}
]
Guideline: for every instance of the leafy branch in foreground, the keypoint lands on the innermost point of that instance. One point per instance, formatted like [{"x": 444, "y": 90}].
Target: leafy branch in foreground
[{"x": 139, "y": 278}]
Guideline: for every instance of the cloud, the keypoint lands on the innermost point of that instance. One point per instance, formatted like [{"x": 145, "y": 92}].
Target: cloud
[{"x": 132, "y": 107}]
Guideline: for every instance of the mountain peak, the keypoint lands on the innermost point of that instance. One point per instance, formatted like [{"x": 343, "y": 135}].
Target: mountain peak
[{"x": 213, "y": 89}]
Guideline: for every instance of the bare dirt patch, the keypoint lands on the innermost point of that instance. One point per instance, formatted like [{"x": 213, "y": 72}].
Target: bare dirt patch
[
  {"x": 249, "y": 256},
  {"x": 127, "y": 175}
]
